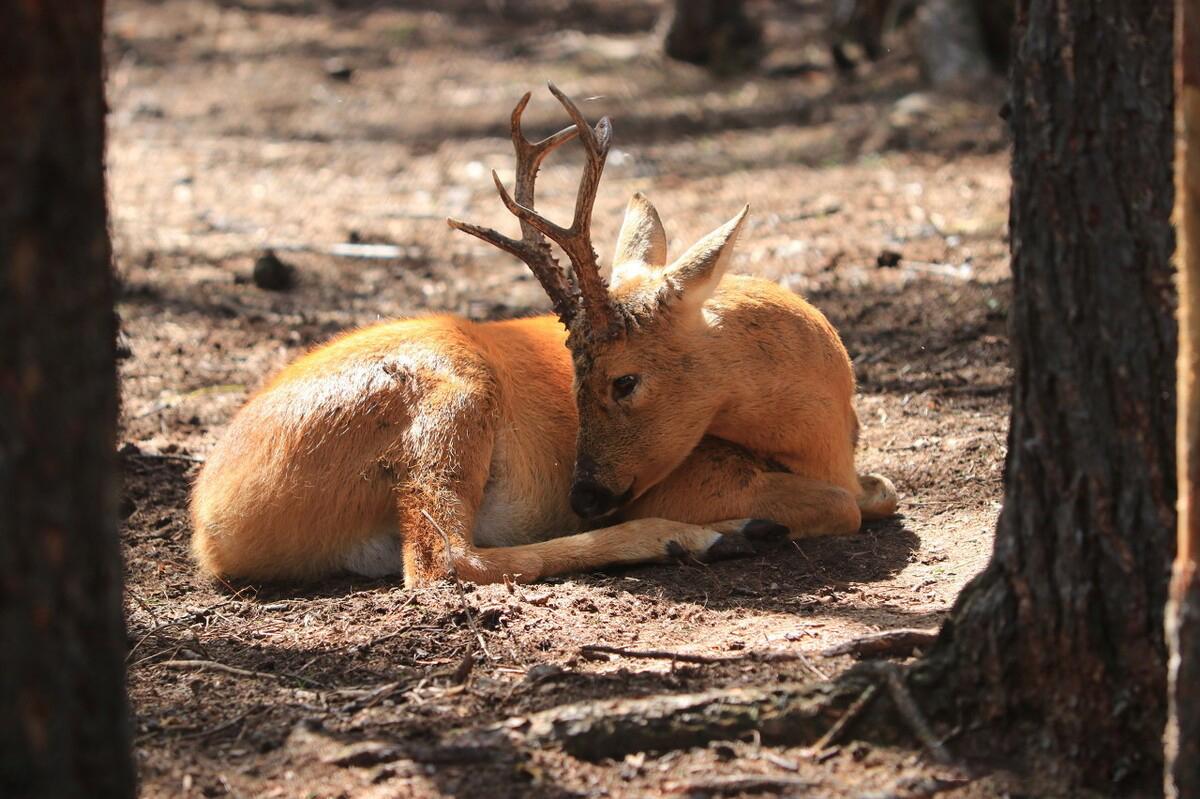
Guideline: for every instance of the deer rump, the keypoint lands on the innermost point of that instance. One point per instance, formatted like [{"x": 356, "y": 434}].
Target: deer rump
[{"x": 676, "y": 411}]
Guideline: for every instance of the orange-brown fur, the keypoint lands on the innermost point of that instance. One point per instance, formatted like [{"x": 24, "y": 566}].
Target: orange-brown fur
[{"x": 437, "y": 444}]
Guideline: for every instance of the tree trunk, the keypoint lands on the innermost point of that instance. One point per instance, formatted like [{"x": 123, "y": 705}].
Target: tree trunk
[
  {"x": 1060, "y": 641},
  {"x": 995, "y": 25},
  {"x": 1183, "y": 613},
  {"x": 63, "y": 717},
  {"x": 713, "y": 33},
  {"x": 950, "y": 43}
]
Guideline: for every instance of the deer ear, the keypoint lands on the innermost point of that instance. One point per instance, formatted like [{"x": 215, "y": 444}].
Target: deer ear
[
  {"x": 693, "y": 277},
  {"x": 642, "y": 242}
]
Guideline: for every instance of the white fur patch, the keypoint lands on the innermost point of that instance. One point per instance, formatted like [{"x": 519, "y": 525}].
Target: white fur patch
[{"x": 375, "y": 557}]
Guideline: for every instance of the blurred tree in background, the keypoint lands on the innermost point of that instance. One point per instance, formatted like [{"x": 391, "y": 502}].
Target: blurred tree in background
[
  {"x": 714, "y": 33},
  {"x": 961, "y": 42},
  {"x": 958, "y": 42}
]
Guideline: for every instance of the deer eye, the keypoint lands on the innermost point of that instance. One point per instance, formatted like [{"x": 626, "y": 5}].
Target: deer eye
[{"x": 623, "y": 386}]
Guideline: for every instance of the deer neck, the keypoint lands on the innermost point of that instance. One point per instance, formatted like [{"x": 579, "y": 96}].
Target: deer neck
[{"x": 745, "y": 391}]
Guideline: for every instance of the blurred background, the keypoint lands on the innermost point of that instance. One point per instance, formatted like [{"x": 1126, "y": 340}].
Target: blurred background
[{"x": 299, "y": 127}]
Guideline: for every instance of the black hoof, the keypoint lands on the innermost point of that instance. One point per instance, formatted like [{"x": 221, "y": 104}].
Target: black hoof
[
  {"x": 764, "y": 530},
  {"x": 728, "y": 546}
]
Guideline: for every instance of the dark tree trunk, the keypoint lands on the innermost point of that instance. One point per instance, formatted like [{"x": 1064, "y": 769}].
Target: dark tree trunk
[
  {"x": 63, "y": 718},
  {"x": 1061, "y": 637},
  {"x": 996, "y": 22},
  {"x": 713, "y": 33},
  {"x": 1183, "y": 613}
]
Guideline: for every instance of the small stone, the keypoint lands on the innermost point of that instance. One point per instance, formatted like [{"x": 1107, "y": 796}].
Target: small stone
[
  {"x": 888, "y": 259},
  {"x": 542, "y": 672},
  {"x": 272, "y": 274},
  {"x": 337, "y": 69},
  {"x": 724, "y": 752}
]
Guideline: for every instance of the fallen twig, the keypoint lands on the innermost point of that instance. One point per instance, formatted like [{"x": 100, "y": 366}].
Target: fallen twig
[
  {"x": 213, "y": 665},
  {"x": 890, "y": 643},
  {"x": 893, "y": 678},
  {"x": 164, "y": 456},
  {"x": 186, "y": 733},
  {"x": 777, "y": 760},
  {"x": 159, "y": 627},
  {"x": 923, "y": 788},
  {"x": 240, "y": 717},
  {"x": 590, "y": 650},
  {"x": 961, "y": 272},
  {"x": 810, "y": 665},
  {"x": 734, "y": 785},
  {"x": 371, "y": 699},
  {"x": 463, "y": 670},
  {"x": 846, "y": 719},
  {"x": 373, "y": 753},
  {"x": 654, "y": 654},
  {"x": 462, "y": 595}
]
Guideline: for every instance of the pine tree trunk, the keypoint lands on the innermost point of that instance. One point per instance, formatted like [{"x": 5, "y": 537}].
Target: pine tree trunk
[
  {"x": 1061, "y": 638},
  {"x": 1183, "y": 613},
  {"x": 713, "y": 33},
  {"x": 950, "y": 43},
  {"x": 63, "y": 718}
]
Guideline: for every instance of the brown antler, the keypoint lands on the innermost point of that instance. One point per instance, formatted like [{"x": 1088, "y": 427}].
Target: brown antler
[
  {"x": 589, "y": 292},
  {"x": 532, "y": 248}
]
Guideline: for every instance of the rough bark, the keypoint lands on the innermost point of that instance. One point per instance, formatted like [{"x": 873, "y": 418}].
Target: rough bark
[
  {"x": 1062, "y": 634},
  {"x": 1183, "y": 612},
  {"x": 63, "y": 718},
  {"x": 713, "y": 33}
]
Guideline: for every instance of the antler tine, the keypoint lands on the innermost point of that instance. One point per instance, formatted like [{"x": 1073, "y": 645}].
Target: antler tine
[
  {"x": 577, "y": 242},
  {"x": 589, "y": 286},
  {"x": 532, "y": 248},
  {"x": 529, "y": 159},
  {"x": 539, "y": 259},
  {"x": 596, "y": 141}
]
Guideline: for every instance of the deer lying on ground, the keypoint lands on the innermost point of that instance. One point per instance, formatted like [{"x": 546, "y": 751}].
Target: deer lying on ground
[{"x": 671, "y": 413}]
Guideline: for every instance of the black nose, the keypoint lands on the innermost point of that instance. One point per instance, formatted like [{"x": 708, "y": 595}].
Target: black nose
[{"x": 590, "y": 499}]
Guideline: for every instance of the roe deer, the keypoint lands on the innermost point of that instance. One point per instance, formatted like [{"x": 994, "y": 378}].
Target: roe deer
[{"x": 680, "y": 408}]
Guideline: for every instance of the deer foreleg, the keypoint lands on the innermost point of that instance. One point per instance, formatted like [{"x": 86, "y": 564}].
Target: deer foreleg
[{"x": 721, "y": 481}]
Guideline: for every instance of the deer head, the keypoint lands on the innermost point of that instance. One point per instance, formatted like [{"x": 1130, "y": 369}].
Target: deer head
[{"x": 646, "y": 382}]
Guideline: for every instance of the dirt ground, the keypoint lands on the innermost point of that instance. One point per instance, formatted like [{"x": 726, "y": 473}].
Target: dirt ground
[{"x": 300, "y": 125}]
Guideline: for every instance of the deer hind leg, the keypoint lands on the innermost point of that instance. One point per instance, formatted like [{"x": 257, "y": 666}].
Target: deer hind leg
[
  {"x": 432, "y": 518},
  {"x": 438, "y": 501},
  {"x": 438, "y": 509},
  {"x": 725, "y": 486}
]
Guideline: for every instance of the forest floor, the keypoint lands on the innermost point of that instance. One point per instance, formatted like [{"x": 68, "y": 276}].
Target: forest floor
[{"x": 300, "y": 125}]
